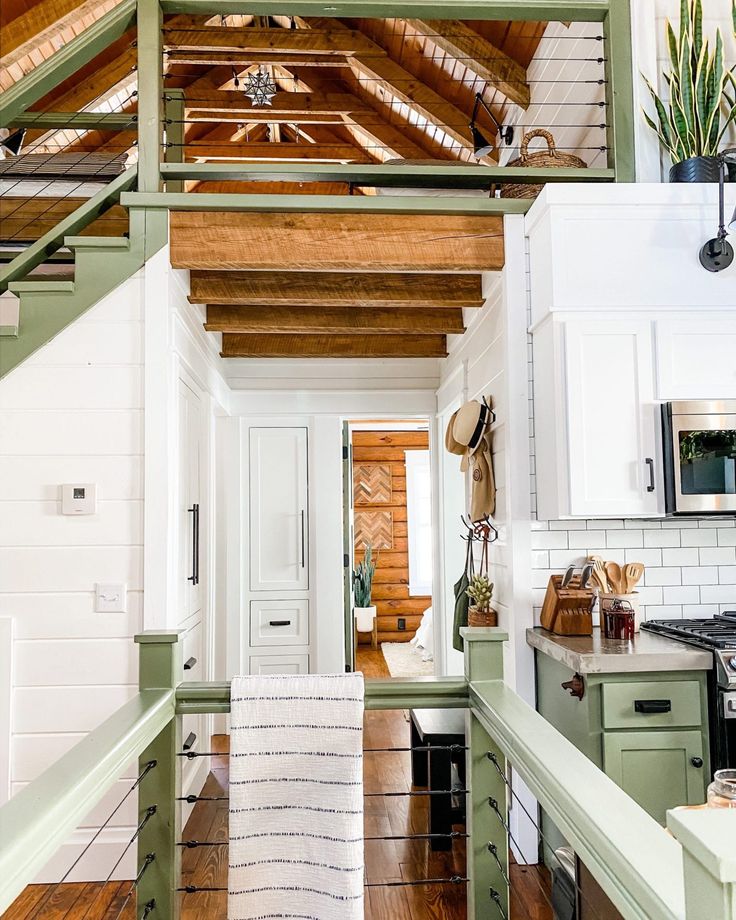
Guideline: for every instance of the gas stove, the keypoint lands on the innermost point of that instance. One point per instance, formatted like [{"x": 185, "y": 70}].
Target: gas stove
[{"x": 719, "y": 635}]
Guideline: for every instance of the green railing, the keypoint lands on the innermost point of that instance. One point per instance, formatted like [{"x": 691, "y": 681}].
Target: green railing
[{"x": 647, "y": 873}]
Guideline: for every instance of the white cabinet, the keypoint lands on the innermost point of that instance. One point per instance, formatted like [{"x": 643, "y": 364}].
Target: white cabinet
[
  {"x": 279, "y": 664},
  {"x": 695, "y": 359},
  {"x": 189, "y": 516},
  {"x": 596, "y": 422},
  {"x": 279, "y": 552},
  {"x": 282, "y": 622}
]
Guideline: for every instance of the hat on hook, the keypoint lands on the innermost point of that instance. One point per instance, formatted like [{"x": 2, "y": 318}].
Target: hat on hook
[
  {"x": 451, "y": 444},
  {"x": 471, "y": 421}
]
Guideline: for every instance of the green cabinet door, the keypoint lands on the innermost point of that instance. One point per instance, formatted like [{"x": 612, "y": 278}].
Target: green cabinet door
[{"x": 658, "y": 769}]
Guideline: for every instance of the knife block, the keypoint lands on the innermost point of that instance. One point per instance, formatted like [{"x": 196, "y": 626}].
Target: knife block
[{"x": 567, "y": 611}]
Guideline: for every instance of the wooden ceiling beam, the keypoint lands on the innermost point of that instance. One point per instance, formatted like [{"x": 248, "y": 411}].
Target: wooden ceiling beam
[
  {"x": 333, "y": 346},
  {"x": 335, "y": 289},
  {"x": 481, "y": 57},
  {"x": 276, "y": 152},
  {"x": 284, "y": 103},
  {"x": 242, "y": 60},
  {"x": 375, "y": 242},
  {"x": 333, "y": 320},
  {"x": 273, "y": 41}
]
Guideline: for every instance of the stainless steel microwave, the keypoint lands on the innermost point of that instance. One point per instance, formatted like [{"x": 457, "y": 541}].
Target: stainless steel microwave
[{"x": 699, "y": 441}]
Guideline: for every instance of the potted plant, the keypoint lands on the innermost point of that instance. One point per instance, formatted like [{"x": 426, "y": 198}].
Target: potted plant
[
  {"x": 480, "y": 592},
  {"x": 702, "y": 99},
  {"x": 362, "y": 585}
]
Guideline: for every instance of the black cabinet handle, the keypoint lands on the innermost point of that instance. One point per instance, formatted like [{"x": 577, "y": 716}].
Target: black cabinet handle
[
  {"x": 189, "y": 664},
  {"x": 650, "y": 707},
  {"x": 650, "y": 463},
  {"x": 194, "y": 511},
  {"x": 279, "y": 622},
  {"x": 303, "y": 540},
  {"x": 190, "y": 742},
  {"x": 696, "y": 761}
]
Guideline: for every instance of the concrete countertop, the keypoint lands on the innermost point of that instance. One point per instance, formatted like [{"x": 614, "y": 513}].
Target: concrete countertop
[{"x": 596, "y": 655}]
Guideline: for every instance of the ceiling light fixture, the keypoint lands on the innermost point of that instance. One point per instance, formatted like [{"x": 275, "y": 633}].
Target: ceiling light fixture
[
  {"x": 13, "y": 142},
  {"x": 717, "y": 253},
  {"x": 259, "y": 87},
  {"x": 481, "y": 145}
]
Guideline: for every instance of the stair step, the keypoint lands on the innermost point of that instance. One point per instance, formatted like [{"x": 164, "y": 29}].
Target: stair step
[
  {"x": 41, "y": 287},
  {"x": 96, "y": 242}
]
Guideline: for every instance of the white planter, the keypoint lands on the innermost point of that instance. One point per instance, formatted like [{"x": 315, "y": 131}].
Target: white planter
[{"x": 364, "y": 617}]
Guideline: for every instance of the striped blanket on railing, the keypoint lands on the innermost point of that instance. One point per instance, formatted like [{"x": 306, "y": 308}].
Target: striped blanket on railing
[{"x": 296, "y": 798}]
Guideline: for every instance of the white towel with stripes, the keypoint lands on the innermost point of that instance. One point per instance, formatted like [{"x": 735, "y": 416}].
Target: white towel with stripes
[{"x": 296, "y": 798}]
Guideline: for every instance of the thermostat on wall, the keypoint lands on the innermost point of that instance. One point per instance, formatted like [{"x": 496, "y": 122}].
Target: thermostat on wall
[{"x": 79, "y": 499}]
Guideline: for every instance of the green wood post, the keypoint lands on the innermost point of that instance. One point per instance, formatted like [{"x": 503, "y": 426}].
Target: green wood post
[
  {"x": 708, "y": 860},
  {"x": 620, "y": 90},
  {"x": 161, "y": 667},
  {"x": 150, "y": 94},
  {"x": 174, "y": 121},
  {"x": 488, "y": 840}
]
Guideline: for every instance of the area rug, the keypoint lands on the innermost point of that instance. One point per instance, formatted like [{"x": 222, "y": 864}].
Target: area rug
[{"x": 403, "y": 660}]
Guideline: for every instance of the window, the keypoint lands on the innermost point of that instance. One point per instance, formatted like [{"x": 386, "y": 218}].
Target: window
[{"x": 419, "y": 521}]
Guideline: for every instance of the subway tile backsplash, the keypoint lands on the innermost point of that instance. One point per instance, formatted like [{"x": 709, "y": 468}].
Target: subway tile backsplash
[{"x": 690, "y": 564}]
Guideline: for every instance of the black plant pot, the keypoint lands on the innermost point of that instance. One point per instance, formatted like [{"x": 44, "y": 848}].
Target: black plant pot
[{"x": 698, "y": 169}]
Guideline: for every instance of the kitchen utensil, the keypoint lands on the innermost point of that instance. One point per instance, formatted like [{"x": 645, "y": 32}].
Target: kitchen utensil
[
  {"x": 585, "y": 576},
  {"x": 567, "y": 577},
  {"x": 632, "y": 573},
  {"x": 613, "y": 572},
  {"x": 599, "y": 573}
]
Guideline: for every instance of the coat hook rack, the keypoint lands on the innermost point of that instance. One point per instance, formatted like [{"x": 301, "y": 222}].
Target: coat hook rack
[{"x": 483, "y": 531}]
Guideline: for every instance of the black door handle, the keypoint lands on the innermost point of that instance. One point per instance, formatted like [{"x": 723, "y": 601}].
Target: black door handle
[
  {"x": 650, "y": 707},
  {"x": 696, "y": 761},
  {"x": 650, "y": 463},
  {"x": 194, "y": 511}
]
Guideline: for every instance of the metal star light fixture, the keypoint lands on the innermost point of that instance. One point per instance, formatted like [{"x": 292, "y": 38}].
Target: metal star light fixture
[{"x": 259, "y": 87}]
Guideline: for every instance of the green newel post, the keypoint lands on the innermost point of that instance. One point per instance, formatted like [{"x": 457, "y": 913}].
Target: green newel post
[
  {"x": 488, "y": 802},
  {"x": 708, "y": 860},
  {"x": 161, "y": 666}
]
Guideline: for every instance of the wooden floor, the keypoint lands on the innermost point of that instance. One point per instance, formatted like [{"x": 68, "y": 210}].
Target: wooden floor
[{"x": 385, "y": 860}]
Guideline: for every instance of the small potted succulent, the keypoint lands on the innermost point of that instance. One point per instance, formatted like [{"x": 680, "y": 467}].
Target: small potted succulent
[
  {"x": 693, "y": 119},
  {"x": 480, "y": 592},
  {"x": 362, "y": 585}
]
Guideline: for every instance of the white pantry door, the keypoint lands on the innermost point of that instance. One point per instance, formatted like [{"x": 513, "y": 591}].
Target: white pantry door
[{"x": 278, "y": 482}]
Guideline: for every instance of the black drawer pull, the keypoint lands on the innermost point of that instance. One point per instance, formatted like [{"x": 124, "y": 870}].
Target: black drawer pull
[
  {"x": 189, "y": 664},
  {"x": 279, "y": 622},
  {"x": 650, "y": 707},
  {"x": 190, "y": 742}
]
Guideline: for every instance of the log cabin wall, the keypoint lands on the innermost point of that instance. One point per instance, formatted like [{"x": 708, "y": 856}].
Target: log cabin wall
[{"x": 381, "y": 513}]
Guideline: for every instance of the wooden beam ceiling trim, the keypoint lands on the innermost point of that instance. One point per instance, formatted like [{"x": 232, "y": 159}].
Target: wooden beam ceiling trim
[
  {"x": 478, "y": 55},
  {"x": 317, "y": 289},
  {"x": 275, "y": 152},
  {"x": 334, "y": 320},
  {"x": 274, "y": 41},
  {"x": 333, "y": 346},
  {"x": 363, "y": 242},
  {"x": 284, "y": 103},
  {"x": 241, "y": 61}
]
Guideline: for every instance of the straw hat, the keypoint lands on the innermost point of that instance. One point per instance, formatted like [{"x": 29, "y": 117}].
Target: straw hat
[
  {"x": 450, "y": 443},
  {"x": 471, "y": 420}
]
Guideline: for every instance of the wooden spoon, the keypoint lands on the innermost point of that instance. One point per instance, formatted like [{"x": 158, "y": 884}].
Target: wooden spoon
[
  {"x": 632, "y": 573},
  {"x": 599, "y": 573},
  {"x": 613, "y": 571}
]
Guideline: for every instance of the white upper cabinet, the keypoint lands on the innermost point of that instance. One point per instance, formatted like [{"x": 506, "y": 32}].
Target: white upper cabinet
[
  {"x": 596, "y": 422},
  {"x": 279, "y": 526},
  {"x": 696, "y": 358}
]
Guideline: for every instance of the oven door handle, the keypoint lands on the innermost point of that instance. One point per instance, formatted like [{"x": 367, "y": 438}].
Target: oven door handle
[{"x": 652, "y": 707}]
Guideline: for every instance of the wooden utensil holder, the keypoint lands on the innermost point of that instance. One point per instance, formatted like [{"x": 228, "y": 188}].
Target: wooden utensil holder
[{"x": 567, "y": 611}]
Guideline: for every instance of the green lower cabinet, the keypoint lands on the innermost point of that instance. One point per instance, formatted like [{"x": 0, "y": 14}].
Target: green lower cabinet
[{"x": 658, "y": 769}]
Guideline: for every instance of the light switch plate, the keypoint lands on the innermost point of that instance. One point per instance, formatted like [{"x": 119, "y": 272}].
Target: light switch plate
[
  {"x": 79, "y": 498},
  {"x": 110, "y": 598}
]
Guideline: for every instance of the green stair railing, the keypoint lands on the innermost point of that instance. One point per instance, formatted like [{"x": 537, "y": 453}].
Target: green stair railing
[{"x": 647, "y": 873}]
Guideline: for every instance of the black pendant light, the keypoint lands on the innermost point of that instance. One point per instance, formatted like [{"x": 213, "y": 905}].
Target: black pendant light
[
  {"x": 14, "y": 142},
  {"x": 481, "y": 145},
  {"x": 717, "y": 254}
]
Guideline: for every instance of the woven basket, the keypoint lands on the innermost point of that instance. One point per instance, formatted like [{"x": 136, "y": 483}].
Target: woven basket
[
  {"x": 550, "y": 158},
  {"x": 480, "y": 618}
]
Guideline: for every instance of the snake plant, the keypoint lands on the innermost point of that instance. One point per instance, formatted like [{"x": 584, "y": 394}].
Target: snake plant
[
  {"x": 363, "y": 578},
  {"x": 702, "y": 90}
]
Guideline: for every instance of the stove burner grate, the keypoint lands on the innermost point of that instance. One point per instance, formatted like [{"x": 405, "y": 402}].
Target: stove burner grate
[{"x": 719, "y": 632}]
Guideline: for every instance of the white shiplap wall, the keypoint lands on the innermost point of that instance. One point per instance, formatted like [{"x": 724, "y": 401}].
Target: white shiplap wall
[{"x": 73, "y": 413}]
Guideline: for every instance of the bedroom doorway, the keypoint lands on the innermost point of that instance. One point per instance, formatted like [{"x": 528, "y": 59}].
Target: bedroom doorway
[{"x": 389, "y": 535}]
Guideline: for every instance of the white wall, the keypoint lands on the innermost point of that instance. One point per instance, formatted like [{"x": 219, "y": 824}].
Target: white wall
[{"x": 73, "y": 413}]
